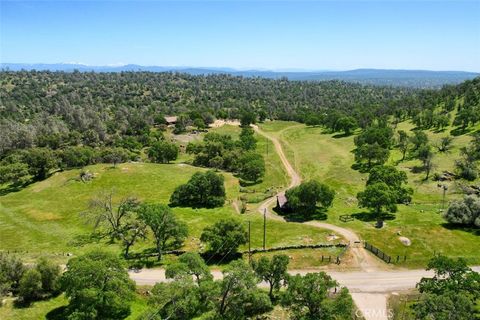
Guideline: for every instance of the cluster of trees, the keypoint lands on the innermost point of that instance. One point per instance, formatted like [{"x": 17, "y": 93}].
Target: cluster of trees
[
  {"x": 428, "y": 119},
  {"x": 419, "y": 147},
  {"x": 162, "y": 152},
  {"x": 85, "y": 118},
  {"x": 23, "y": 166},
  {"x": 467, "y": 165},
  {"x": 334, "y": 121},
  {"x": 98, "y": 107},
  {"x": 220, "y": 151},
  {"x": 385, "y": 188},
  {"x": 128, "y": 221},
  {"x": 308, "y": 196},
  {"x": 97, "y": 286},
  {"x": 464, "y": 212},
  {"x": 203, "y": 190},
  {"x": 373, "y": 145},
  {"x": 30, "y": 283},
  {"x": 468, "y": 112},
  {"x": 452, "y": 293},
  {"x": 194, "y": 293}
]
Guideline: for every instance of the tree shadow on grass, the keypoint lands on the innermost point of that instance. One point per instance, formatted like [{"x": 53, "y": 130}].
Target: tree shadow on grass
[
  {"x": 452, "y": 226},
  {"x": 370, "y": 217},
  {"x": 14, "y": 188},
  {"x": 341, "y": 135},
  {"x": 212, "y": 258},
  {"x": 361, "y": 167},
  {"x": 59, "y": 313},
  {"x": 459, "y": 131},
  {"x": 244, "y": 183},
  {"x": 291, "y": 216},
  {"x": 440, "y": 130},
  {"x": 81, "y": 240},
  {"x": 417, "y": 169},
  {"x": 148, "y": 258},
  {"x": 19, "y": 303}
]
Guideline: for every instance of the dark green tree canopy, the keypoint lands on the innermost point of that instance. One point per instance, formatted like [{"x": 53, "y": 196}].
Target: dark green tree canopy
[
  {"x": 308, "y": 298},
  {"x": 98, "y": 287},
  {"x": 395, "y": 179},
  {"x": 163, "y": 152},
  {"x": 273, "y": 271},
  {"x": 452, "y": 293},
  {"x": 239, "y": 296},
  {"x": 189, "y": 264},
  {"x": 378, "y": 197},
  {"x": 203, "y": 190},
  {"x": 305, "y": 197},
  {"x": 224, "y": 237},
  {"x": 168, "y": 231},
  {"x": 251, "y": 166},
  {"x": 247, "y": 139}
]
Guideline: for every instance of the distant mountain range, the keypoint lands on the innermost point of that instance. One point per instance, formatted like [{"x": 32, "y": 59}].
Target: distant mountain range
[{"x": 406, "y": 78}]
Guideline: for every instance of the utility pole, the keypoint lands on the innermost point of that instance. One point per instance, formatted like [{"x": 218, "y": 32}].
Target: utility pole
[
  {"x": 266, "y": 144},
  {"x": 444, "y": 192},
  {"x": 249, "y": 245},
  {"x": 444, "y": 188},
  {"x": 264, "y": 228}
]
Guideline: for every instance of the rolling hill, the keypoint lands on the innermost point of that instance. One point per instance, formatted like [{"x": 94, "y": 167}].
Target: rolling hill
[{"x": 404, "y": 78}]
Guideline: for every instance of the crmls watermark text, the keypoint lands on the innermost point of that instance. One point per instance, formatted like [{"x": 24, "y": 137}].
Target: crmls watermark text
[{"x": 375, "y": 313}]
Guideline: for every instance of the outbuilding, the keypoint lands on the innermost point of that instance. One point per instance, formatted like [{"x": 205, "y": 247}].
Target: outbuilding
[
  {"x": 171, "y": 120},
  {"x": 282, "y": 204}
]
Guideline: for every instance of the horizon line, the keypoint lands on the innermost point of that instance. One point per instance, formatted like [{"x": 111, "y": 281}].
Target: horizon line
[{"x": 224, "y": 68}]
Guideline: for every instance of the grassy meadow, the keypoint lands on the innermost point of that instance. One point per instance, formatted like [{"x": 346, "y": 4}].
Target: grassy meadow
[
  {"x": 328, "y": 158},
  {"x": 44, "y": 218}
]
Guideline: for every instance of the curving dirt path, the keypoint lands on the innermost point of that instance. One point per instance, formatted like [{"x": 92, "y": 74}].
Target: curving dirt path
[
  {"x": 295, "y": 179},
  {"x": 361, "y": 259}
]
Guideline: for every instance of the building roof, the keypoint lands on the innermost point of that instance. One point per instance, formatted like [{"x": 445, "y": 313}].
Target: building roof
[
  {"x": 171, "y": 119},
  {"x": 281, "y": 200}
]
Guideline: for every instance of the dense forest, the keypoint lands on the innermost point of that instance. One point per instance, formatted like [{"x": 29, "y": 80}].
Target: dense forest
[
  {"x": 108, "y": 117},
  {"x": 36, "y": 104}
]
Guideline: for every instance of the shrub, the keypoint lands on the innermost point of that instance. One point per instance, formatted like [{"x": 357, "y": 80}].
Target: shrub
[
  {"x": 464, "y": 212},
  {"x": 30, "y": 287}
]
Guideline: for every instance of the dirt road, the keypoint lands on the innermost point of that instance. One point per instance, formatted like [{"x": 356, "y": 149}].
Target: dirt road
[
  {"x": 295, "y": 179},
  {"x": 372, "y": 305},
  {"x": 362, "y": 260},
  {"x": 371, "y": 281}
]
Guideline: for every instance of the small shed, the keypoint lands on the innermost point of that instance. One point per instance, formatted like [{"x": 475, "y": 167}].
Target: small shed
[
  {"x": 281, "y": 202},
  {"x": 171, "y": 120}
]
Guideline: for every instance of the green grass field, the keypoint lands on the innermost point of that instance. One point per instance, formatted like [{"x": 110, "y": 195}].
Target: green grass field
[
  {"x": 321, "y": 156},
  {"x": 44, "y": 218}
]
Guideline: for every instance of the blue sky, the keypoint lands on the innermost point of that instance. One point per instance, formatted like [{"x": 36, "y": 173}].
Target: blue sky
[{"x": 319, "y": 35}]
